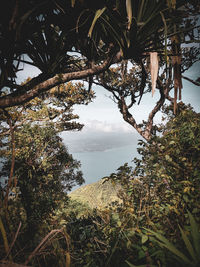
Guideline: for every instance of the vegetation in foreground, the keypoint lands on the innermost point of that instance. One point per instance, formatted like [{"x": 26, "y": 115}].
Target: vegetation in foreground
[{"x": 156, "y": 223}]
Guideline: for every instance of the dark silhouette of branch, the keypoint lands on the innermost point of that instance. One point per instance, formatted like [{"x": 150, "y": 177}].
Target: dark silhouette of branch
[
  {"x": 197, "y": 82},
  {"x": 143, "y": 81},
  {"x": 125, "y": 89},
  {"x": 42, "y": 83}
]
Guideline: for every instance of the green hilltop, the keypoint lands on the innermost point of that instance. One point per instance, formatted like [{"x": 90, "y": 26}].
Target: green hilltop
[{"x": 97, "y": 195}]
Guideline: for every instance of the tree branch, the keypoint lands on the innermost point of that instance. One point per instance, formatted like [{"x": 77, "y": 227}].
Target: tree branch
[
  {"x": 39, "y": 84},
  {"x": 157, "y": 107},
  {"x": 143, "y": 81},
  {"x": 192, "y": 81},
  {"x": 127, "y": 116}
]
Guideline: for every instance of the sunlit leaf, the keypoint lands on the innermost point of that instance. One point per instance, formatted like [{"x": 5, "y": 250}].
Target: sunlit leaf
[
  {"x": 73, "y": 2},
  {"x": 187, "y": 244},
  {"x": 129, "y": 12},
  {"x": 98, "y": 13},
  {"x": 68, "y": 259},
  {"x": 144, "y": 238},
  {"x": 171, "y": 3},
  {"x": 195, "y": 233}
]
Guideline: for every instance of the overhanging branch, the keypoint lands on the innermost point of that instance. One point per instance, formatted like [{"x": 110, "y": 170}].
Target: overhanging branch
[{"x": 39, "y": 84}]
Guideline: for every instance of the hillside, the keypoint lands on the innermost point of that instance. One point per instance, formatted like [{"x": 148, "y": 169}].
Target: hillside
[{"x": 96, "y": 195}]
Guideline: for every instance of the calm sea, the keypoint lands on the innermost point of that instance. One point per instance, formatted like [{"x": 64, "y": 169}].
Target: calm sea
[{"x": 98, "y": 164}]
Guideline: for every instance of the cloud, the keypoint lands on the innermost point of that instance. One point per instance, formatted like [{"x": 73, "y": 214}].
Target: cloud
[
  {"x": 106, "y": 127},
  {"x": 100, "y": 136}
]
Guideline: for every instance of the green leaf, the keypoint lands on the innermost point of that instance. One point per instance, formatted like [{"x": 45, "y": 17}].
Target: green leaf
[
  {"x": 115, "y": 33},
  {"x": 141, "y": 10},
  {"x": 141, "y": 254},
  {"x": 144, "y": 238},
  {"x": 195, "y": 233},
  {"x": 119, "y": 223},
  {"x": 169, "y": 246},
  {"x": 168, "y": 158},
  {"x": 98, "y": 13},
  {"x": 185, "y": 197},
  {"x": 188, "y": 244}
]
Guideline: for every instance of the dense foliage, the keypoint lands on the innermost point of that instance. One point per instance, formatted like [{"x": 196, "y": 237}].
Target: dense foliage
[
  {"x": 157, "y": 195},
  {"x": 68, "y": 40},
  {"x": 37, "y": 171},
  {"x": 44, "y": 171},
  {"x": 160, "y": 199}
]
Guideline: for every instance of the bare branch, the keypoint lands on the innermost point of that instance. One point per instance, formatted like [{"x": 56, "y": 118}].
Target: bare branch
[
  {"x": 127, "y": 116},
  {"x": 157, "y": 107},
  {"x": 197, "y": 82}
]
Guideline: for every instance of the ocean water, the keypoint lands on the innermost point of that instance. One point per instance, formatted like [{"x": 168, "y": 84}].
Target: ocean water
[
  {"x": 98, "y": 164},
  {"x": 101, "y": 153}
]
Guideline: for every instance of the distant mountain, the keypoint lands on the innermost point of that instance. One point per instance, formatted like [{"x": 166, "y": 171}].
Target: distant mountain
[
  {"x": 97, "y": 195},
  {"x": 89, "y": 142}
]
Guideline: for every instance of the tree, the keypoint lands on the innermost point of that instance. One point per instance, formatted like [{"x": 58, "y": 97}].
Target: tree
[
  {"x": 128, "y": 78},
  {"x": 44, "y": 172},
  {"x": 56, "y": 111},
  {"x": 35, "y": 163},
  {"x": 159, "y": 194},
  {"x": 165, "y": 181},
  {"x": 70, "y": 40}
]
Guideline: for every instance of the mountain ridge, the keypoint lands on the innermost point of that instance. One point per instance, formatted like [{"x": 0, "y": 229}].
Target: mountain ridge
[{"x": 98, "y": 194}]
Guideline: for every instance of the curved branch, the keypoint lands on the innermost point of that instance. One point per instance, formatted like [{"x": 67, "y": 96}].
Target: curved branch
[
  {"x": 157, "y": 107},
  {"x": 39, "y": 84},
  {"x": 127, "y": 116},
  {"x": 145, "y": 132},
  {"x": 107, "y": 87}
]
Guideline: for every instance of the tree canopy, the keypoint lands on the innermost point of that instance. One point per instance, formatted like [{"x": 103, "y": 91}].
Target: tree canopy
[
  {"x": 36, "y": 169},
  {"x": 69, "y": 40},
  {"x": 128, "y": 81}
]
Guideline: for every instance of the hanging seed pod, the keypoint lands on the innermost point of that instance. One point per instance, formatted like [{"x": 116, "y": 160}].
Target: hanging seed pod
[{"x": 153, "y": 69}]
